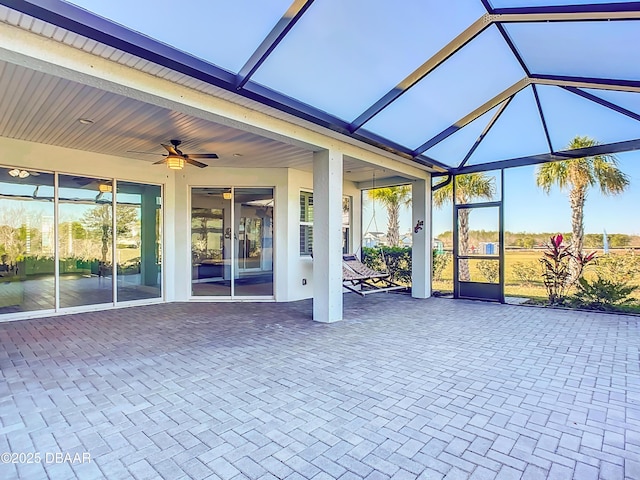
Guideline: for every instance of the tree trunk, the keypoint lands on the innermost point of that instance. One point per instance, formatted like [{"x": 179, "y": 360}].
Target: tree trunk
[
  {"x": 463, "y": 265},
  {"x": 105, "y": 243},
  {"x": 393, "y": 228},
  {"x": 577, "y": 198}
]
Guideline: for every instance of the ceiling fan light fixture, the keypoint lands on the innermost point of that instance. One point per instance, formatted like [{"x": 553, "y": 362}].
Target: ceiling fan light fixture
[
  {"x": 175, "y": 162},
  {"x": 14, "y": 173},
  {"x": 23, "y": 174}
]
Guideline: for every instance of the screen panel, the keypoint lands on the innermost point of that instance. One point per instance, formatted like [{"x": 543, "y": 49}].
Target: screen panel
[
  {"x": 341, "y": 57},
  {"x": 479, "y": 71},
  {"x": 569, "y": 115},
  {"x": 223, "y": 33},
  {"x": 517, "y": 133},
  {"x": 453, "y": 149},
  {"x": 560, "y": 48},
  {"x": 627, "y": 100}
]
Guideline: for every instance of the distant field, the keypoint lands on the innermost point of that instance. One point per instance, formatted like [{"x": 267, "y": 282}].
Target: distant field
[{"x": 513, "y": 287}]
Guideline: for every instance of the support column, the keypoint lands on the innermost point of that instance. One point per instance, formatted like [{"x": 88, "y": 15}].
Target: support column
[
  {"x": 327, "y": 236},
  {"x": 421, "y": 251}
]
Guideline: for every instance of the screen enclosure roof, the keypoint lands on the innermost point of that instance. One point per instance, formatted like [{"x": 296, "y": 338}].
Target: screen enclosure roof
[{"x": 457, "y": 86}]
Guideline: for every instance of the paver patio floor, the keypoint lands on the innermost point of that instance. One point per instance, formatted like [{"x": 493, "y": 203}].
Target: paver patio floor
[{"x": 402, "y": 388}]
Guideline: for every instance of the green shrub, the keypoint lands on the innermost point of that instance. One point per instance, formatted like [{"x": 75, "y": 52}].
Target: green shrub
[
  {"x": 395, "y": 260},
  {"x": 602, "y": 294},
  {"x": 490, "y": 270},
  {"x": 618, "y": 268},
  {"x": 440, "y": 262},
  {"x": 527, "y": 272}
]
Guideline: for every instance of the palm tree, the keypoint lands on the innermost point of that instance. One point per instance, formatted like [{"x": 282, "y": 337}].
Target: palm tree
[
  {"x": 469, "y": 187},
  {"x": 392, "y": 198},
  {"x": 577, "y": 175}
]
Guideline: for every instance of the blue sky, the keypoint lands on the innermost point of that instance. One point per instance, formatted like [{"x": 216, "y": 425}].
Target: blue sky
[{"x": 529, "y": 209}]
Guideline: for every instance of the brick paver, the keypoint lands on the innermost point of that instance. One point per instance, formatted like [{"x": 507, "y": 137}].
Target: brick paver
[{"x": 402, "y": 388}]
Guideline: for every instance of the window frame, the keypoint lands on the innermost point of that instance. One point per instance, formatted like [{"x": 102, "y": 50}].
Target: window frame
[{"x": 305, "y": 248}]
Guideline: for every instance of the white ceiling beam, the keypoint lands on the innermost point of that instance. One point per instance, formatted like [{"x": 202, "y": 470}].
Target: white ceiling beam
[
  {"x": 620, "y": 86},
  {"x": 563, "y": 17}
]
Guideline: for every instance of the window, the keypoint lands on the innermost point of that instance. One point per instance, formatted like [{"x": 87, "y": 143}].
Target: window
[
  {"x": 346, "y": 224},
  {"x": 306, "y": 223}
]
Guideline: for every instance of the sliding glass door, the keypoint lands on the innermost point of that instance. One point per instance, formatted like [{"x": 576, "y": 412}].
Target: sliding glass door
[
  {"x": 138, "y": 241},
  {"x": 85, "y": 241},
  {"x": 254, "y": 255},
  {"x": 232, "y": 242},
  {"x": 27, "y": 241},
  {"x": 211, "y": 242},
  {"x": 61, "y": 236}
]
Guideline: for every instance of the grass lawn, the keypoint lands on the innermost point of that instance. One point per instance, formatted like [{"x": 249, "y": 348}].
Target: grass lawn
[{"x": 513, "y": 286}]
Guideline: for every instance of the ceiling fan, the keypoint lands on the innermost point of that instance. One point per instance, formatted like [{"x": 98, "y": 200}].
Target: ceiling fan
[{"x": 175, "y": 160}]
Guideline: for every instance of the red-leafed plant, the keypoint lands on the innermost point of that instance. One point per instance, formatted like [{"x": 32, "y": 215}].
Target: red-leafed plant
[{"x": 557, "y": 272}]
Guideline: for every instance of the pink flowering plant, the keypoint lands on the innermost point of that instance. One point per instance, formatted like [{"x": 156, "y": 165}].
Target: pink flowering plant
[{"x": 561, "y": 268}]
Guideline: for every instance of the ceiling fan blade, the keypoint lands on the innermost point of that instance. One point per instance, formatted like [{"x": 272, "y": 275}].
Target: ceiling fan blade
[
  {"x": 164, "y": 160},
  {"x": 203, "y": 155},
  {"x": 171, "y": 149},
  {"x": 195, "y": 163}
]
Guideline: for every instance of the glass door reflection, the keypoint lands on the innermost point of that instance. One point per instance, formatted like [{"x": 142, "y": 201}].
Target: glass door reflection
[
  {"x": 254, "y": 250},
  {"x": 27, "y": 240},
  {"x": 138, "y": 241},
  {"x": 85, "y": 240},
  {"x": 232, "y": 242},
  {"x": 211, "y": 238}
]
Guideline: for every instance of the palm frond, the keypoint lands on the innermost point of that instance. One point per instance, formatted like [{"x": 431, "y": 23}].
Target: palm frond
[{"x": 553, "y": 173}]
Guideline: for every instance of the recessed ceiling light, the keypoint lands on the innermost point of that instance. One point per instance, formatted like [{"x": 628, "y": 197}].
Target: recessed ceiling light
[
  {"x": 85, "y": 121},
  {"x": 237, "y": 154}
]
